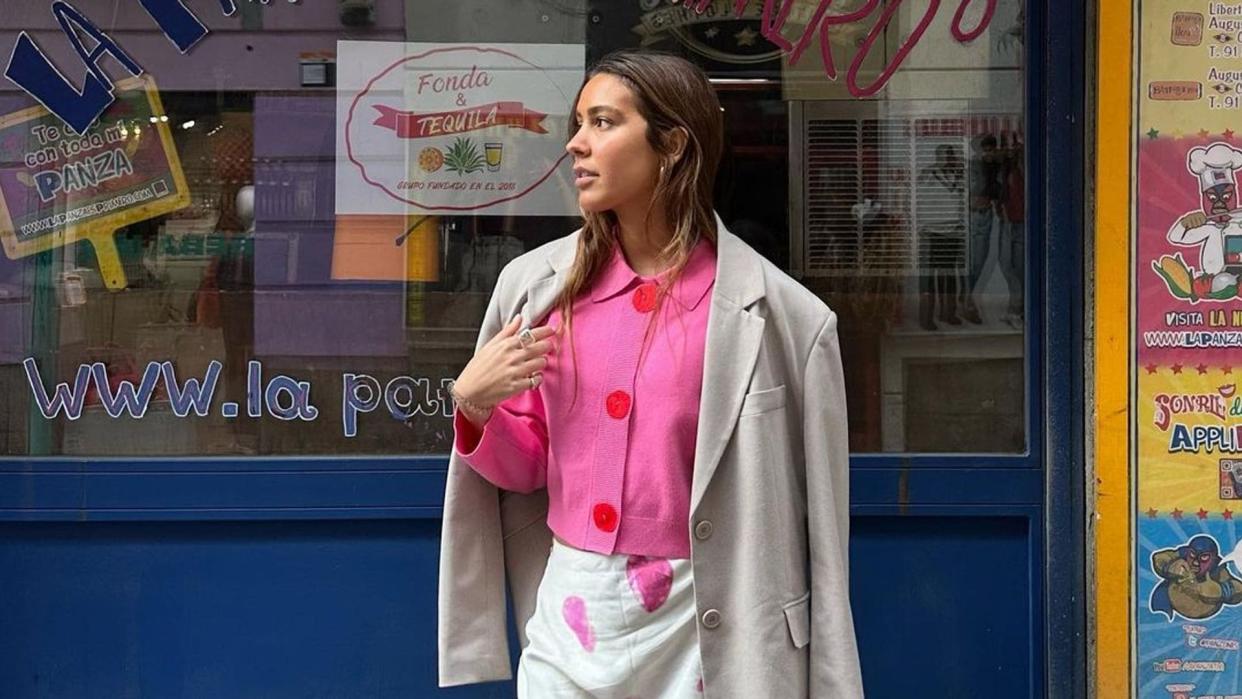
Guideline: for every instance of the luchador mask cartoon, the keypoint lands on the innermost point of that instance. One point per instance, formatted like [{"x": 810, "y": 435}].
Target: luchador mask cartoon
[
  {"x": 1218, "y": 201},
  {"x": 1201, "y": 553}
]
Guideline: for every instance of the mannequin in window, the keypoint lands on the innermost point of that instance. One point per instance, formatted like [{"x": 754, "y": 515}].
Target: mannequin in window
[{"x": 940, "y": 237}]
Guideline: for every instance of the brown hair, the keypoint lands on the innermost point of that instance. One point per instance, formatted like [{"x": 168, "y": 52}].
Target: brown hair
[{"x": 671, "y": 93}]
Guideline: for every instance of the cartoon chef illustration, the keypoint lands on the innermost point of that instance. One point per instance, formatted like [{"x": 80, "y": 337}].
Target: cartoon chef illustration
[
  {"x": 1218, "y": 218},
  {"x": 1195, "y": 581}
]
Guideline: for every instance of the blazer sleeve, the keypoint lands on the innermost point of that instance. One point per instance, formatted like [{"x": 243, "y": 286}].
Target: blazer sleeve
[
  {"x": 511, "y": 451},
  {"x": 834, "y": 652},
  {"x": 471, "y": 634}
]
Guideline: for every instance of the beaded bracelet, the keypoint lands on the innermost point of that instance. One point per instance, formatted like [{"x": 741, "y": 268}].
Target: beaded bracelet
[{"x": 471, "y": 405}]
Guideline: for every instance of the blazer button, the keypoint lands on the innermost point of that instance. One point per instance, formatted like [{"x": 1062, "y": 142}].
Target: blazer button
[
  {"x": 703, "y": 530},
  {"x": 605, "y": 516},
  {"x": 618, "y": 404},
  {"x": 711, "y": 618},
  {"x": 645, "y": 297}
]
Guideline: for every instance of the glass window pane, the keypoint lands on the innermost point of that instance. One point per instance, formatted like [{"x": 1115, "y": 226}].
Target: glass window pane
[
  {"x": 295, "y": 248},
  {"x": 912, "y": 219}
]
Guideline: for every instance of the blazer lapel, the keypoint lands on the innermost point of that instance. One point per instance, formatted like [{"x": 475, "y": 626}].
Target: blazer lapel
[
  {"x": 734, "y": 336},
  {"x": 541, "y": 294},
  {"x": 726, "y": 374},
  {"x": 540, "y": 297}
]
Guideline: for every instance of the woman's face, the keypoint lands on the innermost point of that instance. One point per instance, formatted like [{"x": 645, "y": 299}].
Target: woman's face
[{"x": 615, "y": 168}]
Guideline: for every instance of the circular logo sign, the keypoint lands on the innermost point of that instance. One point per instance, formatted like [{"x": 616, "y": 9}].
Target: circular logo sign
[{"x": 460, "y": 128}]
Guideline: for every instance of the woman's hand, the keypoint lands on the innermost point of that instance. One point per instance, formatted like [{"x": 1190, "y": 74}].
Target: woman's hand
[{"x": 509, "y": 363}]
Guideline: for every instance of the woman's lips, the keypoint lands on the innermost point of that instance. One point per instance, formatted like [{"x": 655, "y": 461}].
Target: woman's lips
[{"x": 583, "y": 176}]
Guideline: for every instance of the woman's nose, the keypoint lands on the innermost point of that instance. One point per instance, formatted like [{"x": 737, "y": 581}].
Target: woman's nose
[{"x": 576, "y": 146}]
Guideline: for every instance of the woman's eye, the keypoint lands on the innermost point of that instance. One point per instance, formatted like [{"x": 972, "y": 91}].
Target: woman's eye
[{"x": 597, "y": 121}]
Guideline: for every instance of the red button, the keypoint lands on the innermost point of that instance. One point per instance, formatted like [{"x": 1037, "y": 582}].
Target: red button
[
  {"x": 618, "y": 403},
  {"x": 605, "y": 517},
  {"x": 645, "y": 297}
]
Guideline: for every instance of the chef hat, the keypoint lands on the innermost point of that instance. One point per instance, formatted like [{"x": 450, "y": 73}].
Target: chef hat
[{"x": 1214, "y": 165}]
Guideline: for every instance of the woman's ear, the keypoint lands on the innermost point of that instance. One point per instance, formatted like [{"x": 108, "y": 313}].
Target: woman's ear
[{"x": 678, "y": 139}]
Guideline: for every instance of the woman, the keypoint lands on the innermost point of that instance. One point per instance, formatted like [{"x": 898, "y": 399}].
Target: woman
[{"x": 659, "y": 458}]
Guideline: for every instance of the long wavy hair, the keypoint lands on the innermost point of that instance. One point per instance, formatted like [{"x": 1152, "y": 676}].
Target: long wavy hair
[{"x": 671, "y": 93}]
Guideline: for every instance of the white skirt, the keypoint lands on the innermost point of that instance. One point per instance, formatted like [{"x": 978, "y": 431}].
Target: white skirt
[{"x": 608, "y": 627}]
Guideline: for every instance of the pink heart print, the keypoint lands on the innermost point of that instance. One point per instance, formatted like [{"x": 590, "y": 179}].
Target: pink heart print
[
  {"x": 574, "y": 611},
  {"x": 651, "y": 579}
]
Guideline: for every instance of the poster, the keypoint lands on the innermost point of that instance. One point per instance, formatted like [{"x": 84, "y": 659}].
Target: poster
[
  {"x": 474, "y": 129},
  {"x": 58, "y": 187},
  {"x": 1187, "y": 334}
]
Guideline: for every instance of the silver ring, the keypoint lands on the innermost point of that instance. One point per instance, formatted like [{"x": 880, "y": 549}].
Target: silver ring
[
  {"x": 526, "y": 337},
  {"x": 532, "y": 382}
]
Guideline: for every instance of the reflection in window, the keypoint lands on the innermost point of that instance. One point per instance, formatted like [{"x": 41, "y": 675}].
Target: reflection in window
[
  {"x": 904, "y": 211},
  {"x": 908, "y": 218}
]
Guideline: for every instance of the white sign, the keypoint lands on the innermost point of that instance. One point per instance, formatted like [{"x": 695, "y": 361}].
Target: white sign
[{"x": 455, "y": 128}]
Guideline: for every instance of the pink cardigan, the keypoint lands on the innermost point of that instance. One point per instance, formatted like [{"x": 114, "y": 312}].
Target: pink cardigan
[{"x": 618, "y": 462}]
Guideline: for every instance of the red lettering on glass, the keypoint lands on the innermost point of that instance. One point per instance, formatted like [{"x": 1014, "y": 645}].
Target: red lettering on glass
[
  {"x": 825, "y": 45},
  {"x": 771, "y": 27},
  {"x": 772, "y": 30},
  {"x": 908, "y": 45},
  {"x": 983, "y": 21}
]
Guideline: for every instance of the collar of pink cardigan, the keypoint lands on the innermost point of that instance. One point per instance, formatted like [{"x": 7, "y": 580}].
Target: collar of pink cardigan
[{"x": 617, "y": 276}]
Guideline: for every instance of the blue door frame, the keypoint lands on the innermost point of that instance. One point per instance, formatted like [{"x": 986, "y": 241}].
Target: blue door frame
[
  {"x": 317, "y": 577},
  {"x": 1017, "y": 521},
  {"x": 1065, "y": 79}
]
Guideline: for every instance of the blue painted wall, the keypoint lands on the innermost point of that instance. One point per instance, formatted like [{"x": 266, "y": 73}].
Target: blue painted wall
[
  {"x": 220, "y": 609},
  {"x": 347, "y": 608}
]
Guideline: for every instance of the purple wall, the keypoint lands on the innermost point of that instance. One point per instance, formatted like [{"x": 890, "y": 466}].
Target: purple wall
[
  {"x": 227, "y": 59},
  {"x": 14, "y": 296},
  {"x": 299, "y": 309}
]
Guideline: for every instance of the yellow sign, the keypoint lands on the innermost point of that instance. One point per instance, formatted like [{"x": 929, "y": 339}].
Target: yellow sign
[
  {"x": 1190, "y": 64},
  {"x": 1185, "y": 334},
  {"x": 58, "y": 187}
]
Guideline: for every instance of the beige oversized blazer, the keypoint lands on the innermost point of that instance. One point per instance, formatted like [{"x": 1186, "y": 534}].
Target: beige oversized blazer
[{"x": 769, "y": 511}]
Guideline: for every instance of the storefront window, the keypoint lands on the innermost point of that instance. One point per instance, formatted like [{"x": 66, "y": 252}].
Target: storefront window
[{"x": 282, "y": 242}]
